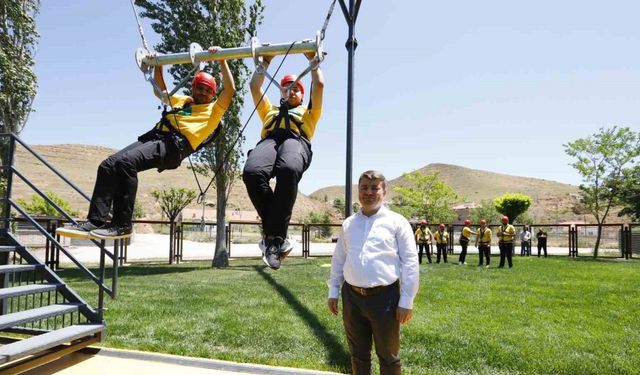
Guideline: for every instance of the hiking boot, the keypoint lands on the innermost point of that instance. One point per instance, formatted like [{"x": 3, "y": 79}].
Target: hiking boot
[
  {"x": 113, "y": 232},
  {"x": 81, "y": 230},
  {"x": 271, "y": 255}
]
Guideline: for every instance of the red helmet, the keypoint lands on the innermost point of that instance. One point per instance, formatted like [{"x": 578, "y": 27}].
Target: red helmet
[
  {"x": 423, "y": 222},
  {"x": 483, "y": 222},
  {"x": 291, "y": 78},
  {"x": 206, "y": 79},
  {"x": 467, "y": 222},
  {"x": 441, "y": 226},
  {"x": 505, "y": 219}
]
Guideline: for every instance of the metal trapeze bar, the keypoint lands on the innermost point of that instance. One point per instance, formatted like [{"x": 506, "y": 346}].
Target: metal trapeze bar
[{"x": 228, "y": 53}]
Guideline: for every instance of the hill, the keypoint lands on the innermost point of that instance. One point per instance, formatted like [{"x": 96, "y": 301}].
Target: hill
[
  {"x": 79, "y": 164},
  {"x": 551, "y": 199}
]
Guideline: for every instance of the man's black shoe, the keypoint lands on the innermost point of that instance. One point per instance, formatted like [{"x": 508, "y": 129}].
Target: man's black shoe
[{"x": 113, "y": 232}]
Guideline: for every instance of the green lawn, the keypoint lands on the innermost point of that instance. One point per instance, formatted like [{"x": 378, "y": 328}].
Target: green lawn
[{"x": 544, "y": 316}]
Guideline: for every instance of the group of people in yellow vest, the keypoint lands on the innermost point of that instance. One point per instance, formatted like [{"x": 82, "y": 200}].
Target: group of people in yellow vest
[{"x": 506, "y": 236}]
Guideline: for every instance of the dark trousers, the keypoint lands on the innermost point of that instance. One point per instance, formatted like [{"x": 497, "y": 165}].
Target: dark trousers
[
  {"x": 484, "y": 250},
  {"x": 525, "y": 248},
  {"x": 506, "y": 250},
  {"x": 117, "y": 177},
  {"x": 423, "y": 246},
  {"x": 370, "y": 319},
  {"x": 542, "y": 245},
  {"x": 284, "y": 157},
  {"x": 441, "y": 248},
  {"x": 463, "y": 253}
]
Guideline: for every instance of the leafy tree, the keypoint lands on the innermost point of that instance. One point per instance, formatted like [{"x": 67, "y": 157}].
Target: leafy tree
[
  {"x": 315, "y": 218},
  {"x": 172, "y": 202},
  {"x": 18, "y": 83},
  {"x": 338, "y": 202},
  {"x": 486, "y": 211},
  {"x": 629, "y": 189},
  {"x": 226, "y": 23},
  {"x": 138, "y": 212},
  {"x": 39, "y": 206},
  {"x": 425, "y": 197},
  {"x": 512, "y": 205},
  {"x": 601, "y": 160},
  {"x": 18, "y": 44}
]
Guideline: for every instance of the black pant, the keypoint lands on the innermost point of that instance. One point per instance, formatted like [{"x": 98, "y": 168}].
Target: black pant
[
  {"x": 506, "y": 250},
  {"x": 372, "y": 318},
  {"x": 284, "y": 156},
  {"x": 117, "y": 177},
  {"x": 441, "y": 248},
  {"x": 486, "y": 251},
  {"x": 423, "y": 246},
  {"x": 463, "y": 253},
  {"x": 542, "y": 244}
]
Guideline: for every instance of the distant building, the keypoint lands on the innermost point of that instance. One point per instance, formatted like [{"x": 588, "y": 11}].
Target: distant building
[{"x": 463, "y": 211}]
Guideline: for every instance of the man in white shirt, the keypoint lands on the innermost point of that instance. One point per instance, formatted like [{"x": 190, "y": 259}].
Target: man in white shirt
[
  {"x": 375, "y": 264},
  {"x": 525, "y": 242}
]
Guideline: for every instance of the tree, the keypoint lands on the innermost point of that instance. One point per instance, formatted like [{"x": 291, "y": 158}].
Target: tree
[
  {"x": 601, "y": 160},
  {"x": 18, "y": 44},
  {"x": 315, "y": 218},
  {"x": 215, "y": 22},
  {"x": 425, "y": 197},
  {"x": 39, "y": 206},
  {"x": 172, "y": 202},
  {"x": 512, "y": 205},
  {"x": 629, "y": 189},
  {"x": 486, "y": 211}
]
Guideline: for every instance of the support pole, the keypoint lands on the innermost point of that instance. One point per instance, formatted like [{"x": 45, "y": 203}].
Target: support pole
[
  {"x": 350, "y": 15},
  {"x": 304, "y": 46}
]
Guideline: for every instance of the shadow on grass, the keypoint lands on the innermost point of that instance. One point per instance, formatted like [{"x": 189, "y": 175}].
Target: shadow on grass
[{"x": 335, "y": 353}]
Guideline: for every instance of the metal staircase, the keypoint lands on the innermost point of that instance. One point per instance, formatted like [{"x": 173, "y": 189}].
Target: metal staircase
[{"x": 41, "y": 317}]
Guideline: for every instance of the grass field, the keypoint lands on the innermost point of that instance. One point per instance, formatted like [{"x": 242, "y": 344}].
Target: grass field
[{"x": 544, "y": 316}]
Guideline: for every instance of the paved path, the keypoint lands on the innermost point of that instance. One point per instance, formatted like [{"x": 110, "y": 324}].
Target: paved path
[{"x": 125, "y": 362}]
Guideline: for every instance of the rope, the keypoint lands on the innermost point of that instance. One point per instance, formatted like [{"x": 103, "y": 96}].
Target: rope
[
  {"x": 144, "y": 41},
  {"x": 326, "y": 20}
]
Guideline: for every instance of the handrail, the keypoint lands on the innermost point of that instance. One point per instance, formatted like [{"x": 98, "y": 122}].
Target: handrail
[
  {"x": 52, "y": 168},
  {"x": 44, "y": 232}
]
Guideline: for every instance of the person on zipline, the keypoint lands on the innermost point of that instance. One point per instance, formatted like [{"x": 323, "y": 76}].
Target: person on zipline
[
  {"x": 284, "y": 152},
  {"x": 192, "y": 120}
]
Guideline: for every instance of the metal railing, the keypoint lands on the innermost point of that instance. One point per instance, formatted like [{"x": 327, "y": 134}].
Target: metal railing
[{"x": 53, "y": 244}]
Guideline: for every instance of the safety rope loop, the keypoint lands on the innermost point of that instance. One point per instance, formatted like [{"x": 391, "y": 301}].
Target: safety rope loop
[
  {"x": 144, "y": 41},
  {"x": 326, "y": 21}
]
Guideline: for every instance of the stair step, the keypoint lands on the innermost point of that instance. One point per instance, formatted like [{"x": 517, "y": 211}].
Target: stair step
[
  {"x": 6, "y": 249},
  {"x": 27, "y": 289},
  {"x": 34, "y": 344},
  {"x": 11, "y": 268},
  {"x": 21, "y": 317}
]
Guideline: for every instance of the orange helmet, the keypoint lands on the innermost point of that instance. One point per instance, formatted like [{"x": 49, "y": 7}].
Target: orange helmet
[
  {"x": 206, "y": 79},
  {"x": 291, "y": 78},
  {"x": 505, "y": 219},
  {"x": 441, "y": 226},
  {"x": 483, "y": 222},
  {"x": 467, "y": 222},
  {"x": 423, "y": 222}
]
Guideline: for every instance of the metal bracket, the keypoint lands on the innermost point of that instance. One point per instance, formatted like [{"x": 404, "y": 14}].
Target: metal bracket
[
  {"x": 141, "y": 53},
  {"x": 193, "y": 49}
]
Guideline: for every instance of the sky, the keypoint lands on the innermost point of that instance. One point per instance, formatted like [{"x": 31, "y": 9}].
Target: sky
[{"x": 493, "y": 85}]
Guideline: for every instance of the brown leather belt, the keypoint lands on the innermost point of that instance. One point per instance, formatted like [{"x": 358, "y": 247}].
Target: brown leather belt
[{"x": 370, "y": 291}]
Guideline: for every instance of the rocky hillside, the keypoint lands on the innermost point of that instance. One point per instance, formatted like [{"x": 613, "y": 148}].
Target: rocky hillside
[{"x": 79, "y": 163}]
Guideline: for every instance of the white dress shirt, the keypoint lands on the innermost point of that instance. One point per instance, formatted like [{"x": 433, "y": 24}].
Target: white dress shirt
[{"x": 375, "y": 251}]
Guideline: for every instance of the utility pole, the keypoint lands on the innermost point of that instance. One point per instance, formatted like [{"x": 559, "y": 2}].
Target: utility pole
[{"x": 350, "y": 15}]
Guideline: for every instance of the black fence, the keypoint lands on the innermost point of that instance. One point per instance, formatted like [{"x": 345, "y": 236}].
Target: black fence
[{"x": 616, "y": 240}]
